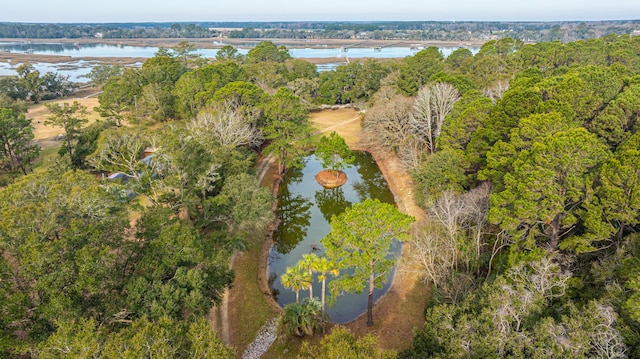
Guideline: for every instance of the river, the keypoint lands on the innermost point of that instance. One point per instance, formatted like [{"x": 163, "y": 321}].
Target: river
[{"x": 76, "y": 69}]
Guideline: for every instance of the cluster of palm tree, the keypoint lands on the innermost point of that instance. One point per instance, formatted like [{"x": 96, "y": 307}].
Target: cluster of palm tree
[{"x": 302, "y": 318}]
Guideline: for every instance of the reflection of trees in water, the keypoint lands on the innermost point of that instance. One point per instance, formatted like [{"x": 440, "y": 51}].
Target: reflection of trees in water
[
  {"x": 331, "y": 202},
  {"x": 373, "y": 184},
  {"x": 275, "y": 292},
  {"x": 294, "y": 212},
  {"x": 54, "y": 47}
]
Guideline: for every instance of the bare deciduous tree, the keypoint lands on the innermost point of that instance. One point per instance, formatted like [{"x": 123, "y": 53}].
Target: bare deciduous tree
[
  {"x": 413, "y": 152},
  {"x": 225, "y": 126},
  {"x": 121, "y": 151},
  {"x": 448, "y": 211},
  {"x": 496, "y": 90},
  {"x": 475, "y": 214},
  {"x": 432, "y": 104},
  {"x": 606, "y": 339},
  {"x": 453, "y": 236},
  {"x": 389, "y": 124},
  {"x": 431, "y": 255}
]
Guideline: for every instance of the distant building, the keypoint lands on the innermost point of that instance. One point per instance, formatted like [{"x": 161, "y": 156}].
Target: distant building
[
  {"x": 148, "y": 151},
  {"x": 124, "y": 177}
]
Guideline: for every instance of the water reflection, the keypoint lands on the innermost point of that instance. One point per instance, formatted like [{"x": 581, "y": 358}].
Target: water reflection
[
  {"x": 300, "y": 233},
  {"x": 112, "y": 50},
  {"x": 331, "y": 202},
  {"x": 372, "y": 183},
  {"x": 293, "y": 209}
]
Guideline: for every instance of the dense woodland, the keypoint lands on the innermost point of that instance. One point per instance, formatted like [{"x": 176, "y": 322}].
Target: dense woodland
[
  {"x": 526, "y": 159},
  {"x": 565, "y": 31}
]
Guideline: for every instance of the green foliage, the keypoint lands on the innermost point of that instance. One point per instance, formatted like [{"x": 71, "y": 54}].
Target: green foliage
[
  {"x": 243, "y": 206},
  {"x": 62, "y": 231},
  {"x": 101, "y": 74},
  {"x": 178, "y": 272},
  {"x": 355, "y": 82},
  {"x": 360, "y": 243},
  {"x": 119, "y": 95},
  {"x": 88, "y": 142},
  {"x": 442, "y": 171},
  {"x": 459, "y": 60},
  {"x": 334, "y": 152},
  {"x": 165, "y": 338},
  {"x": 287, "y": 128},
  {"x": 416, "y": 71},
  {"x": 162, "y": 70},
  {"x": 614, "y": 208},
  {"x": 227, "y": 52},
  {"x": 586, "y": 89},
  {"x": 469, "y": 115},
  {"x": 71, "y": 119},
  {"x": 30, "y": 85},
  {"x": 620, "y": 118},
  {"x": 248, "y": 99},
  {"x": 296, "y": 278},
  {"x": 267, "y": 51},
  {"x": 301, "y": 319},
  {"x": 16, "y": 134},
  {"x": 155, "y": 104},
  {"x": 541, "y": 194},
  {"x": 531, "y": 129},
  {"x": 195, "y": 88},
  {"x": 341, "y": 343}
]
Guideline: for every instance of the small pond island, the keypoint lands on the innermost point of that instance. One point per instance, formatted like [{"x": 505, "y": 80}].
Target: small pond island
[{"x": 305, "y": 208}]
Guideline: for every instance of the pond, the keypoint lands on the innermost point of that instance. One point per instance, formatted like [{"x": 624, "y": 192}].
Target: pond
[{"x": 305, "y": 209}]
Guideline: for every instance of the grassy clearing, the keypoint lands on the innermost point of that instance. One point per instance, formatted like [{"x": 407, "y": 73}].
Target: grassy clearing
[{"x": 248, "y": 306}]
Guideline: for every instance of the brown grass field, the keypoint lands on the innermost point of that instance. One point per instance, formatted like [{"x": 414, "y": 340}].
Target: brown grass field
[{"x": 38, "y": 113}]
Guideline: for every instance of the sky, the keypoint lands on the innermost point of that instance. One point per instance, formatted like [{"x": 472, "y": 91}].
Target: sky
[{"x": 327, "y": 10}]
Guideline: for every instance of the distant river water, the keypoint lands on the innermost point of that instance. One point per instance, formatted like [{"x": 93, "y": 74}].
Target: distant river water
[{"x": 76, "y": 69}]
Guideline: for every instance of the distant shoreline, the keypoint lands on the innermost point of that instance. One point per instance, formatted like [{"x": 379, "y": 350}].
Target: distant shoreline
[{"x": 214, "y": 43}]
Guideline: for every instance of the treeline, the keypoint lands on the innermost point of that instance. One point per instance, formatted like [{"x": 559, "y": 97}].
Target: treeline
[
  {"x": 107, "y": 31},
  {"x": 441, "y": 31},
  {"x": 564, "y": 31}
]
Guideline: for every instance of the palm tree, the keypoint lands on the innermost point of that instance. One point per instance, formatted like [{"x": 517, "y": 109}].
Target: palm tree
[
  {"x": 296, "y": 278},
  {"x": 324, "y": 266},
  {"x": 301, "y": 319},
  {"x": 308, "y": 262}
]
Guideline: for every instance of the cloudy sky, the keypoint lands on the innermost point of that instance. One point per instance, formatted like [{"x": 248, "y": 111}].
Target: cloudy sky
[{"x": 330, "y": 10}]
